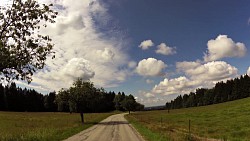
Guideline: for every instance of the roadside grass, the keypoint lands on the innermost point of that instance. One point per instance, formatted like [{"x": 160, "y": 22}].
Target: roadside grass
[
  {"x": 225, "y": 121},
  {"x": 24, "y": 126}
]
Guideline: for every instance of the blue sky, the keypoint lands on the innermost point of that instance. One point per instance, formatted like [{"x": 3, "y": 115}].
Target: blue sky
[
  {"x": 153, "y": 49},
  {"x": 186, "y": 25}
]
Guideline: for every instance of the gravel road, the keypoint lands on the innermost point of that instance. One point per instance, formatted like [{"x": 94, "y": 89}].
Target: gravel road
[{"x": 113, "y": 128}]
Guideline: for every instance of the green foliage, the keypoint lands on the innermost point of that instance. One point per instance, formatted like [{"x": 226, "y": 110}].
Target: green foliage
[
  {"x": 83, "y": 96},
  {"x": 49, "y": 102},
  {"x": 13, "y": 98},
  {"x": 129, "y": 103},
  {"x": 23, "y": 50},
  {"x": 224, "y": 121},
  {"x": 117, "y": 100}
]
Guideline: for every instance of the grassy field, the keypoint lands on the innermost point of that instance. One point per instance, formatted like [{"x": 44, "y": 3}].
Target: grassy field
[
  {"x": 226, "y": 121},
  {"x": 43, "y": 126}
]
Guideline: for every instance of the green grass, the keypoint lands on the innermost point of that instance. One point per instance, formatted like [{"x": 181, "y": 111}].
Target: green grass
[
  {"x": 24, "y": 126},
  {"x": 225, "y": 121}
]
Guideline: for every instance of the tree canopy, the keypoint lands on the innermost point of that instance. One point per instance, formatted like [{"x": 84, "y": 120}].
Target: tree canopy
[{"x": 23, "y": 50}]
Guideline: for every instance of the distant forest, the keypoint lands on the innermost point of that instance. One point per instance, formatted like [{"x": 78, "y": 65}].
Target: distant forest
[
  {"x": 230, "y": 90},
  {"x": 13, "y": 98}
]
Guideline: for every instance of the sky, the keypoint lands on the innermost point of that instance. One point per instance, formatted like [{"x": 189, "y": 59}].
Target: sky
[{"x": 153, "y": 49}]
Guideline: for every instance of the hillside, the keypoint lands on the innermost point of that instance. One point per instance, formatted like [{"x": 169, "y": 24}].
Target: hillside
[{"x": 225, "y": 121}]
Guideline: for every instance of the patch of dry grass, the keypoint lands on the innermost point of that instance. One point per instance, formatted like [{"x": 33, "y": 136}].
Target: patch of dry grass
[{"x": 44, "y": 126}]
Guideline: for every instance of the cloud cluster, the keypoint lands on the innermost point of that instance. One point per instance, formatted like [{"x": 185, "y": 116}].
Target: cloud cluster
[
  {"x": 223, "y": 47},
  {"x": 178, "y": 85},
  {"x": 165, "y": 50},
  {"x": 211, "y": 71},
  {"x": 197, "y": 75},
  {"x": 161, "y": 48},
  {"x": 81, "y": 50},
  {"x": 146, "y": 44},
  {"x": 150, "y": 67}
]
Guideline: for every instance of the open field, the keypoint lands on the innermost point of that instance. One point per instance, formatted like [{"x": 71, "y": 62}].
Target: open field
[
  {"x": 226, "y": 121},
  {"x": 44, "y": 126}
]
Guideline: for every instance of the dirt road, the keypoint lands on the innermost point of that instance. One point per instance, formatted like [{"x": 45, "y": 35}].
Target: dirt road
[{"x": 113, "y": 128}]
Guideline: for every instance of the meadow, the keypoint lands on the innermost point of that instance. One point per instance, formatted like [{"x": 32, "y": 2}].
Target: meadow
[
  {"x": 225, "y": 121},
  {"x": 25, "y": 126}
]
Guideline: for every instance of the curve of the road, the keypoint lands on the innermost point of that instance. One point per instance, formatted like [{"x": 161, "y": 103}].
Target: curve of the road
[{"x": 113, "y": 128}]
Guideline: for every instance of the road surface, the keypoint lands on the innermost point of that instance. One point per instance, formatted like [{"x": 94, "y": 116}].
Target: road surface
[{"x": 113, "y": 128}]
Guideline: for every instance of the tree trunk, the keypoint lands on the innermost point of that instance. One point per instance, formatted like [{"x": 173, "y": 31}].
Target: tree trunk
[
  {"x": 82, "y": 117},
  {"x": 6, "y": 106}
]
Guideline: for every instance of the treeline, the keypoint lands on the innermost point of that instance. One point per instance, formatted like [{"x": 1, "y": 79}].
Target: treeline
[
  {"x": 82, "y": 96},
  {"x": 234, "y": 89},
  {"x": 13, "y": 98}
]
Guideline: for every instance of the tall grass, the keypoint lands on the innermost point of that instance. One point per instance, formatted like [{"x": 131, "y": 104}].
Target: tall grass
[
  {"x": 23, "y": 126},
  {"x": 225, "y": 121}
]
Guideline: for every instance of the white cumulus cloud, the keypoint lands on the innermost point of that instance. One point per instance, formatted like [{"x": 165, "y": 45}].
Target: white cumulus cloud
[
  {"x": 197, "y": 75},
  {"x": 223, "y": 47},
  {"x": 180, "y": 85},
  {"x": 248, "y": 71},
  {"x": 146, "y": 44},
  {"x": 78, "y": 68},
  {"x": 105, "y": 55},
  {"x": 211, "y": 71},
  {"x": 150, "y": 67},
  {"x": 165, "y": 50}
]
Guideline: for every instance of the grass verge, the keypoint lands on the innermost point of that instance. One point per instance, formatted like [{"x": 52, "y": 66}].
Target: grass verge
[{"x": 144, "y": 131}]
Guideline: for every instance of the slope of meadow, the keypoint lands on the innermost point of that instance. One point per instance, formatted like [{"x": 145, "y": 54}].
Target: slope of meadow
[{"x": 225, "y": 121}]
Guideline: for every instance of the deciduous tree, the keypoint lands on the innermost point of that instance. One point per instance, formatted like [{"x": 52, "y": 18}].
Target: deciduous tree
[{"x": 23, "y": 50}]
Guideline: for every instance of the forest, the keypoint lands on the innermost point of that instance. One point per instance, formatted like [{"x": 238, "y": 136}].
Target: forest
[
  {"x": 81, "y": 97},
  {"x": 230, "y": 90}
]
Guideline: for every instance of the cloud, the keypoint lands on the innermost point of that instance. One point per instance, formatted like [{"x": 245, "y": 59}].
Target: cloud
[
  {"x": 165, "y": 50},
  {"x": 149, "y": 98},
  {"x": 78, "y": 68},
  {"x": 81, "y": 49},
  {"x": 197, "y": 75},
  {"x": 148, "y": 81},
  {"x": 180, "y": 85},
  {"x": 248, "y": 71},
  {"x": 150, "y": 67},
  {"x": 132, "y": 64},
  {"x": 211, "y": 71},
  {"x": 105, "y": 55},
  {"x": 223, "y": 47},
  {"x": 185, "y": 65},
  {"x": 146, "y": 44}
]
